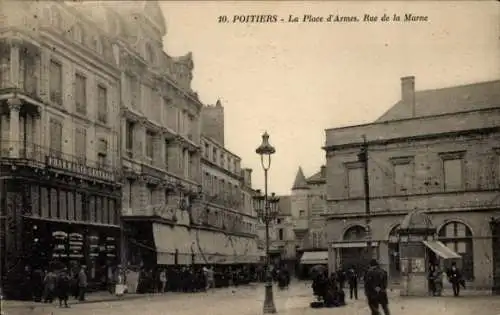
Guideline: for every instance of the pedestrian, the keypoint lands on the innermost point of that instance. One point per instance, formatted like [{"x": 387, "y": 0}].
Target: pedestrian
[
  {"x": 163, "y": 280},
  {"x": 49, "y": 286},
  {"x": 455, "y": 278},
  {"x": 352, "y": 279},
  {"x": 376, "y": 288},
  {"x": 63, "y": 287},
  {"x": 82, "y": 283}
]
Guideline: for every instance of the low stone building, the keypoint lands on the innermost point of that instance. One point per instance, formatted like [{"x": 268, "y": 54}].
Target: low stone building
[{"x": 435, "y": 151}]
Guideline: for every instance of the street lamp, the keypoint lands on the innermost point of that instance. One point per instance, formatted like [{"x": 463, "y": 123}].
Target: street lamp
[{"x": 267, "y": 209}]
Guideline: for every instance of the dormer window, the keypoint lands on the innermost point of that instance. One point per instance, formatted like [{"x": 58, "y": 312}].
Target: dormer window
[
  {"x": 150, "y": 55},
  {"x": 56, "y": 18},
  {"x": 78, "y": 34},
  {"x": 96, "y": 44}
]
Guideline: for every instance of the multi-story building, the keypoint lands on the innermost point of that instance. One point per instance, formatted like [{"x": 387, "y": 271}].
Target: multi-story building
[
  {"x": 59, "y": 123},
  {"x": 226, "y": 232},
  {"x": 435, "y": 151},
  {"x": 281, "y": 236},
  {"x": 308, "y": 204},
  {"x": 160, "y": 134}
]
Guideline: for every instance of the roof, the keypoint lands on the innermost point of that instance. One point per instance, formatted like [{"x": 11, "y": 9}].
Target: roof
[
  {"x": 416, "y": 220},
  {"x": 300, "y": 180},
  {"x": 481, "y": 95},
  {"x": 284, "y": 206}
]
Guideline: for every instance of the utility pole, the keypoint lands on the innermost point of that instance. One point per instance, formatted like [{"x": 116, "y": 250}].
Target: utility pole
[{"x": 363, "y": 157}]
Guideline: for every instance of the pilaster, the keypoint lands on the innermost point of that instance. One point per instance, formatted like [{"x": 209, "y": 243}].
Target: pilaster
[
  {"x": 14, "y": 63},
  {"x": 14, "y": 107},
  {"x": 139, "y": 142}
]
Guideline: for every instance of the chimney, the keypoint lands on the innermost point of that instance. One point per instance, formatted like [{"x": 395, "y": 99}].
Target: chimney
[
  {"x": 323, "y": 171},
  {"x": 408, "y": 93}
]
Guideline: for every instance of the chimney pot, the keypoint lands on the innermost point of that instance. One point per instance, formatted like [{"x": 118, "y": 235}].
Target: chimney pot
[{"x": 408, "y": 93}]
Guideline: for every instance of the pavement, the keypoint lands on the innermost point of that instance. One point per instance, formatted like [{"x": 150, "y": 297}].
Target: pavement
[{"x": 248, "y": 300}]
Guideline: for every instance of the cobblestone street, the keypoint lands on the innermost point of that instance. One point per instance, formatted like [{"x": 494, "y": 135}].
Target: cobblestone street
[{"x": 248, "y": 301}]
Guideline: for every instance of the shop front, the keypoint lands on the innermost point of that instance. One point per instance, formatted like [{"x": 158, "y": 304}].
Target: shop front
[{"x": 54, "y": 245}]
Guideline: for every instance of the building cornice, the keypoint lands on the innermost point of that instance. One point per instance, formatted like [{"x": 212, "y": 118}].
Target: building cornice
[{"x": 486, "y": 130}]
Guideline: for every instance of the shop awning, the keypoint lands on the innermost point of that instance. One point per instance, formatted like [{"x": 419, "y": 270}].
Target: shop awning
[
  {"x": 314, "y": 258},
  {"x": 352, "y": 244},
  {"x": 164, "y": 242},
  {"x": 441, "y": 250}
]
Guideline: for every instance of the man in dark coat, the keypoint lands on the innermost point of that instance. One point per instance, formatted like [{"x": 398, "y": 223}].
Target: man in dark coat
[
  {"x": 352, "y": 279},
  {"x": 455, "y": 277},
  {"x": 376, "y": 288},
  {"x": 63, "y": 287}
]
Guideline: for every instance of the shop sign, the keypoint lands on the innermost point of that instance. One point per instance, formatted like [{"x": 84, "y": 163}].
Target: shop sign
[
  {"x": 93, "y": 246},
  {"x": 75, "y": 245},
  {"x": 59, "y": 239}
]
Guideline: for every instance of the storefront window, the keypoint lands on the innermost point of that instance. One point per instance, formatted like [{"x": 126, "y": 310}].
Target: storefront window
[
  {"x": 53, "y": 203},
  {"x": 111, "y": 212},
  {"x": 35, "y": 200},
  {"x": 79, "y": 207},
  {"x": 105, "y": 210},
  {"x": 44, "y": 204},
  {"x": 99, "y": 209},
  {"x": 92, "y": 208},
  {"x": 71, "y": 206},
  {"x": 63, "y": 213}
]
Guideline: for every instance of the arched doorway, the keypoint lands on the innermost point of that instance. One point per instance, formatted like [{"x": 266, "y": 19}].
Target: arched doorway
[
  {"x": 458, "y": 237},
  {"x": 355, "y": 256},
  {"x": 393, "y": 246}
]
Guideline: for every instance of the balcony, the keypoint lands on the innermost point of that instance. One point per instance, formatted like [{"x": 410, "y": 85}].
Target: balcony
[{"x": 38, "y": 156}]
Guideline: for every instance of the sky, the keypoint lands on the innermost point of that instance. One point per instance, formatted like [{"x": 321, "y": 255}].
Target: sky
[{"x": 294, "y": 80}]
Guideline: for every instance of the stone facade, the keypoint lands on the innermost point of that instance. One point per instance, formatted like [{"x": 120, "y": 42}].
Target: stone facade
[
  {"x": 59, "y": 144},
  {"x": 227, "y": 197},
  {"x": 444, "y": 163}
]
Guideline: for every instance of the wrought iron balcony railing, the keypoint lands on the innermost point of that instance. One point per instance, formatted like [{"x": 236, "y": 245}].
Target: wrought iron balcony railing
[{"x": 30, "y": 152}]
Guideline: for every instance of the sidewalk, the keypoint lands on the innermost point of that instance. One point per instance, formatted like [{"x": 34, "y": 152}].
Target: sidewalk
[
  {"x": 105, "y": 296},
  {"x": 95, "y": 297}
]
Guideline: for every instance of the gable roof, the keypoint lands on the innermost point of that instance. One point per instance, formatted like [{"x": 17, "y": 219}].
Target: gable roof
[
  {"x": 448, "y": 100},
  {"x": 300, "y": 180}
]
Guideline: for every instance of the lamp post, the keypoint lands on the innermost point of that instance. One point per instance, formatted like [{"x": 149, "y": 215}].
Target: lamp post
[{"x": 267, "y": 209}]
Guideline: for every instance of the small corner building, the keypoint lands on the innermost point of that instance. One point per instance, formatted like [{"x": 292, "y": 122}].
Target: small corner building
[{"x": 435, "y": 151}]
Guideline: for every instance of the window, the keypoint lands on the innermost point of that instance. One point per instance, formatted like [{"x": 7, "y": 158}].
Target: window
[
  {"x": 78, "y": 33},
  {"x": 458, "y": 237},
  {"x": 453, "y": 173},
  {"x": 222, "y": 160},
  {"x": 81, "y": 94},
  {"x": 55, "y": 132},
  {"x": 134, "y": 91},
  {"x": 149, "y": 145},
  {"x": 355, "y": 182},
  {"x": 130, "y": 191},
  {"x": 81, "y": 144},
  {"x": 280, "y": 234},
  {"x": 102, "y": 104},
  {"x": 150, "y": 195},
  {"x": 167, "y": 147},
  {"x": 207, "y": 150},
  {"x": 403, "y": 178},
  {"x": 129, "y": 138},
  {"x": 150, "y": 56},
  {"x": 56, "y": 18},
  {"x": 55, "y": 83},
  {"x": 214, "y": 155},
  {"x": 302, "y": 213},
  {"x": 102, "y": 153}
]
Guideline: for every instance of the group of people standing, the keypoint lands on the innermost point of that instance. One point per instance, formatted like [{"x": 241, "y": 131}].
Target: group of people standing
[
  {"x": 436, "y": 275},
  {"x": 190, "y": 278},
  {"x": 330, "y": 289},
  {"x": 46, "y": 286}
]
